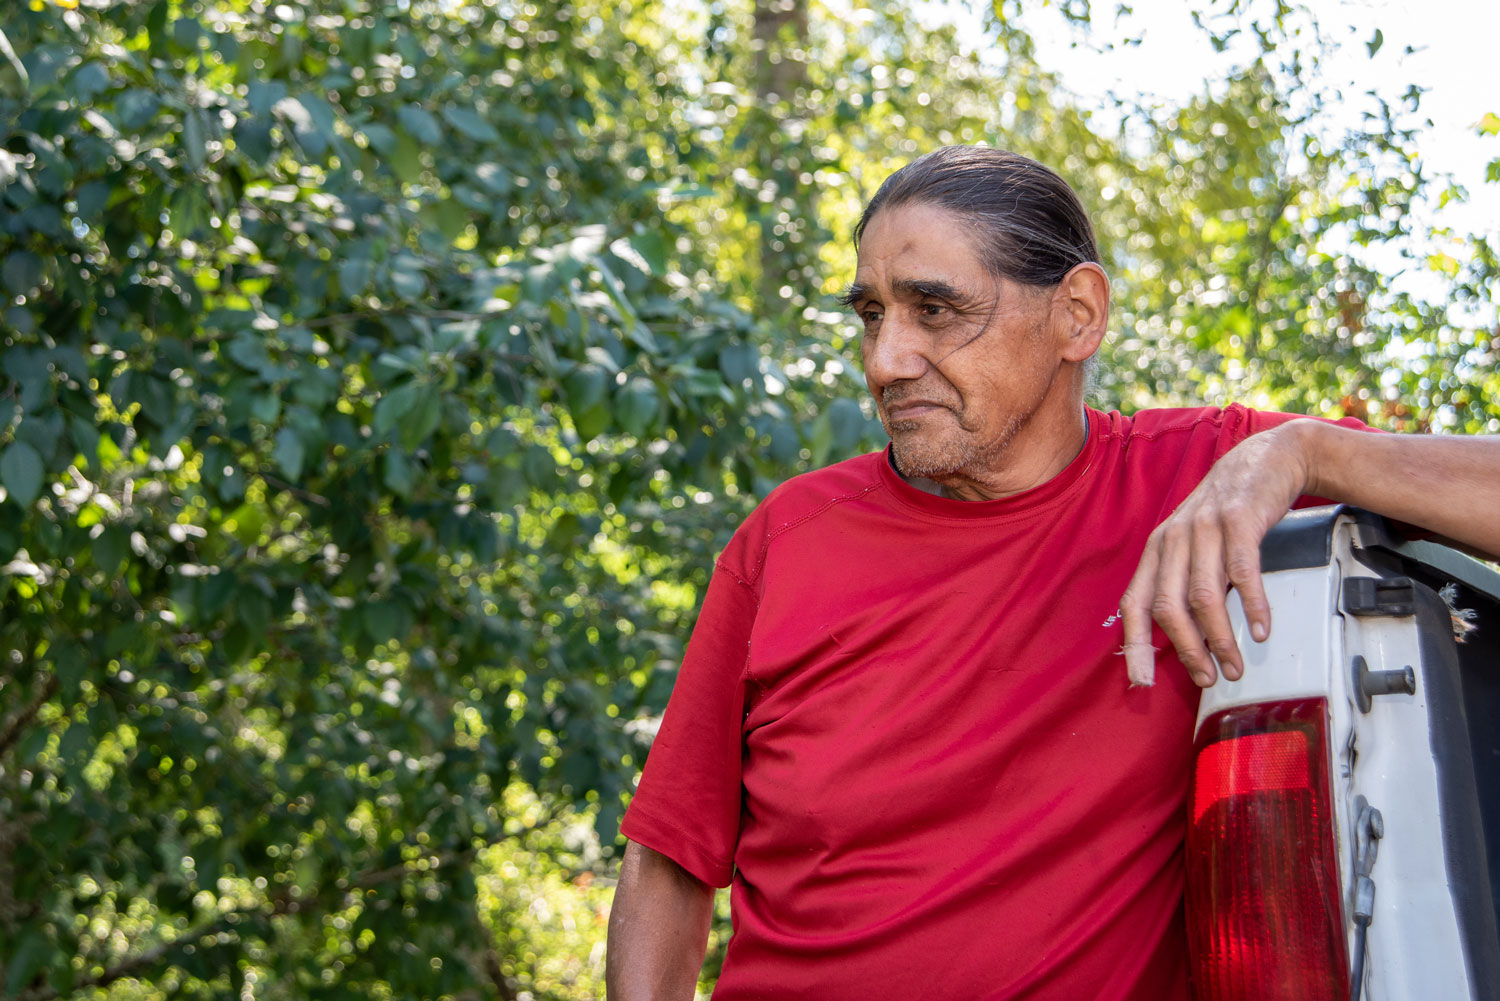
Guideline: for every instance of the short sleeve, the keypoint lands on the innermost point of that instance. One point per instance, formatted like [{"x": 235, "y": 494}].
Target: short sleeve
[{"x": 687, "y": 806}]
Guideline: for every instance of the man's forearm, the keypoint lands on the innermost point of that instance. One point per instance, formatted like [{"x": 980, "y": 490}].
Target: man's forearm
[
  {"x": 1445, "y": 484},
  {"x": 658, "y": 929}
]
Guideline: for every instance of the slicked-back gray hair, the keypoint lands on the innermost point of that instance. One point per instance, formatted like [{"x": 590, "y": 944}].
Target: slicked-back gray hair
[{"x": 1030, "y": 225}]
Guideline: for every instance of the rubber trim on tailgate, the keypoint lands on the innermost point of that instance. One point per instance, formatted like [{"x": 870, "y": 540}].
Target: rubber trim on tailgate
[
  {"x": 1463, "y": 832},
  {"x": 1302, "y": 539}
]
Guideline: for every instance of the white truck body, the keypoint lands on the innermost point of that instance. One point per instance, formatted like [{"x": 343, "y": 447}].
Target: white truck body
[{"x": 1416, "y": 757}]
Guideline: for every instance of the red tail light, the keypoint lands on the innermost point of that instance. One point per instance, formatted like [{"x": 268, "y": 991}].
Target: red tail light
[{"x": 1264, "y": 910}]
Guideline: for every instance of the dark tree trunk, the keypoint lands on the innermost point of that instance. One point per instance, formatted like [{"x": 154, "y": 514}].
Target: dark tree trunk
[{"x": 780, "y": 70}]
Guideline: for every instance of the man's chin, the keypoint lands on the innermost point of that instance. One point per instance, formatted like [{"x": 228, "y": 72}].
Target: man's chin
[{"x": 924, "y": 459}]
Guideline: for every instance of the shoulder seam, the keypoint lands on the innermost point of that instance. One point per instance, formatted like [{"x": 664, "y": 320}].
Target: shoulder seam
[
  {"x": 780, "y": 530},
  {"x": 719, "y": 565},
  {"x": 1218, "y": 418}
]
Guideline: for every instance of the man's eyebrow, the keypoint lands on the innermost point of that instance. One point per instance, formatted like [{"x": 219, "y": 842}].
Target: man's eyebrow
[
  {"x": 852, "y": 294},
  {"x": 915, "y": 288},
  {"x": 922, "y": 288}
]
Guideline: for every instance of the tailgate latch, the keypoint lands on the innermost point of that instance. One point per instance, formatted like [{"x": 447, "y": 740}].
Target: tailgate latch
[{"x": 1380, "y": 596}]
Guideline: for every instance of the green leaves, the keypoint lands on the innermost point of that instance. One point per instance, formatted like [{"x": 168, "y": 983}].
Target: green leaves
[
  {"x": 395, "y": 405},
  {"x": 193, "y": 127},
  {"x": 585, "y": 387},
  {"x": 471, "y": 123},
  {"x": 89, "y": 81},
  {"x": 355, "y": 272},
  {"x": 637, "y": 405},
  {"x": 262, "y": 95},
  {"x": 420, "y": 124},
  {"x": 136, "y": 108},
  {"x": 20, "y": 272},
  {"x": 289, "y": 453},
  {"x": 28, "y": 954},
  {"x": 408, "y": 279},
  {"x": 421, "y": 421},
  {"x": 21, "y": 471},
  {"x": 847, "y": 424},
  {"x": 110, "y": 548},
  {"x": 13, "y": 61},
  {"x": 413, "y": 410},
  {"x": 393, "y": 379},
  {"x": 397, "y": 472},
  {"x": 739, "y": 363}
]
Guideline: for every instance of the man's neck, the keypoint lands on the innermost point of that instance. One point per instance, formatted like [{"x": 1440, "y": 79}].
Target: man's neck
[{"x": 1037, "y": 453}]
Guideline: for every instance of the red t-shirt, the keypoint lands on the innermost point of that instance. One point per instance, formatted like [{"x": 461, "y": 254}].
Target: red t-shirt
[{"x": 903, "y": 731}]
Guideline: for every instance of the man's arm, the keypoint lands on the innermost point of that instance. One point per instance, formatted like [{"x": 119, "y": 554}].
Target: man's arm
[
  {"x": 658, "y": 929},
  {"x": 1446, "y": 484}
]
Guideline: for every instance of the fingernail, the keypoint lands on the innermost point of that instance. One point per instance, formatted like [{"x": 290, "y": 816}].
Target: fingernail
[
  {"x": 1202, "y": 680},
  {"x": 1259, "y": 631}
]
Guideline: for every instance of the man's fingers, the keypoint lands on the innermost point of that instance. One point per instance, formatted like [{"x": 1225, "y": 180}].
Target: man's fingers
[
  {"x": 1182, "y": 583},
  {"x": 1209, "y": 544},
  {"x": 1207, "y": 595},
  {"x": 1212, "y": 617},
  {"x": 1242, "y": 560},
  {"x": 1135, "y": 615},
  {"x": 1170, "y": 609}
]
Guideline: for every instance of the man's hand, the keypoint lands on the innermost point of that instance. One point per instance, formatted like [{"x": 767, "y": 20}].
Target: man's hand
[
  {"x": 1446, "y": 484},
  {"x": 1212, "y": 542}
]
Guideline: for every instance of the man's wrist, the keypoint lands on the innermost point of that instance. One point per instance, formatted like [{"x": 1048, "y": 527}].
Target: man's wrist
[{"x": 1309, "y": 444}]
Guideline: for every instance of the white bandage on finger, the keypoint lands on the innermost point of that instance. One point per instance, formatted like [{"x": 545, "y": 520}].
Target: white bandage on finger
[{"x": 1140, "y": 664}]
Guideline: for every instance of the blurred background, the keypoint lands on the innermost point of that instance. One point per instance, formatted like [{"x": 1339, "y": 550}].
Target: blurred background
[{"x": 378, "y": 379}]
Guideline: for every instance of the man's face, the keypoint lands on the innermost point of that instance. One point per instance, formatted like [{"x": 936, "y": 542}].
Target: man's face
[{"x": 958, "y": 361}]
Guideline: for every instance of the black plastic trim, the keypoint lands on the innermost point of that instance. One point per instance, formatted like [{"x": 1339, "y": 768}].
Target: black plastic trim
[
  {"x": 1458, "y": 797},
  {"x": 1379, "y": 596},
  {"x": 1302, "y": 539},
  {"x": 1452, "y": 565}
]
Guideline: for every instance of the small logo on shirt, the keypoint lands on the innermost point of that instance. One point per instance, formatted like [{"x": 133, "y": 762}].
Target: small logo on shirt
[{"x": 1111, "y": 620}]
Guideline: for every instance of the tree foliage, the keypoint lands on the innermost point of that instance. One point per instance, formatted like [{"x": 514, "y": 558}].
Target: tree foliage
[
  {"x": 380, "y": 377},
  {"x": 352, "y": 374}
]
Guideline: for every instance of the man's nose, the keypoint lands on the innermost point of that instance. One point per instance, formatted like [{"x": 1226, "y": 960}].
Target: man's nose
[{"x": 897, "y": 352}]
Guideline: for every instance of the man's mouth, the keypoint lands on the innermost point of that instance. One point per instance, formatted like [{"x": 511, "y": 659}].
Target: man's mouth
[
  {"x": 906, "y": 407},
  {"x": 911, "y": 409}
]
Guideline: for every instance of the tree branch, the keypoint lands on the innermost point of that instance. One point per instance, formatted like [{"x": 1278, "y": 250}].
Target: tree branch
[
  {"x": 23, "y": 719},
  {"x": 225, "y": 921},
  {"x": 333, "y": 319},
  {"x": 497, "y": 976},
  {"x": 444, "y": 861},
  {"x": 279, "y": 905},
  {"x": 297, "y": 492}
]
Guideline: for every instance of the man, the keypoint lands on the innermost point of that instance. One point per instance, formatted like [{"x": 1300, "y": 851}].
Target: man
[{"x": 902, "y": 729}]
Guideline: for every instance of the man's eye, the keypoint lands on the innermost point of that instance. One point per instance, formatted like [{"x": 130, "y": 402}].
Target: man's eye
[
  {"x": 871, "y": 316},
  {"x": 932, "y": 309}
]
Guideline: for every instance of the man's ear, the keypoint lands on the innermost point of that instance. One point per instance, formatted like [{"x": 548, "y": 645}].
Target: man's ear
[{"x": 1081, "y": 305}]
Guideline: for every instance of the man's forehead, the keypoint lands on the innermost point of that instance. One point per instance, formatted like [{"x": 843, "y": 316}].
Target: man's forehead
[{"x": 912, "y": 244}]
